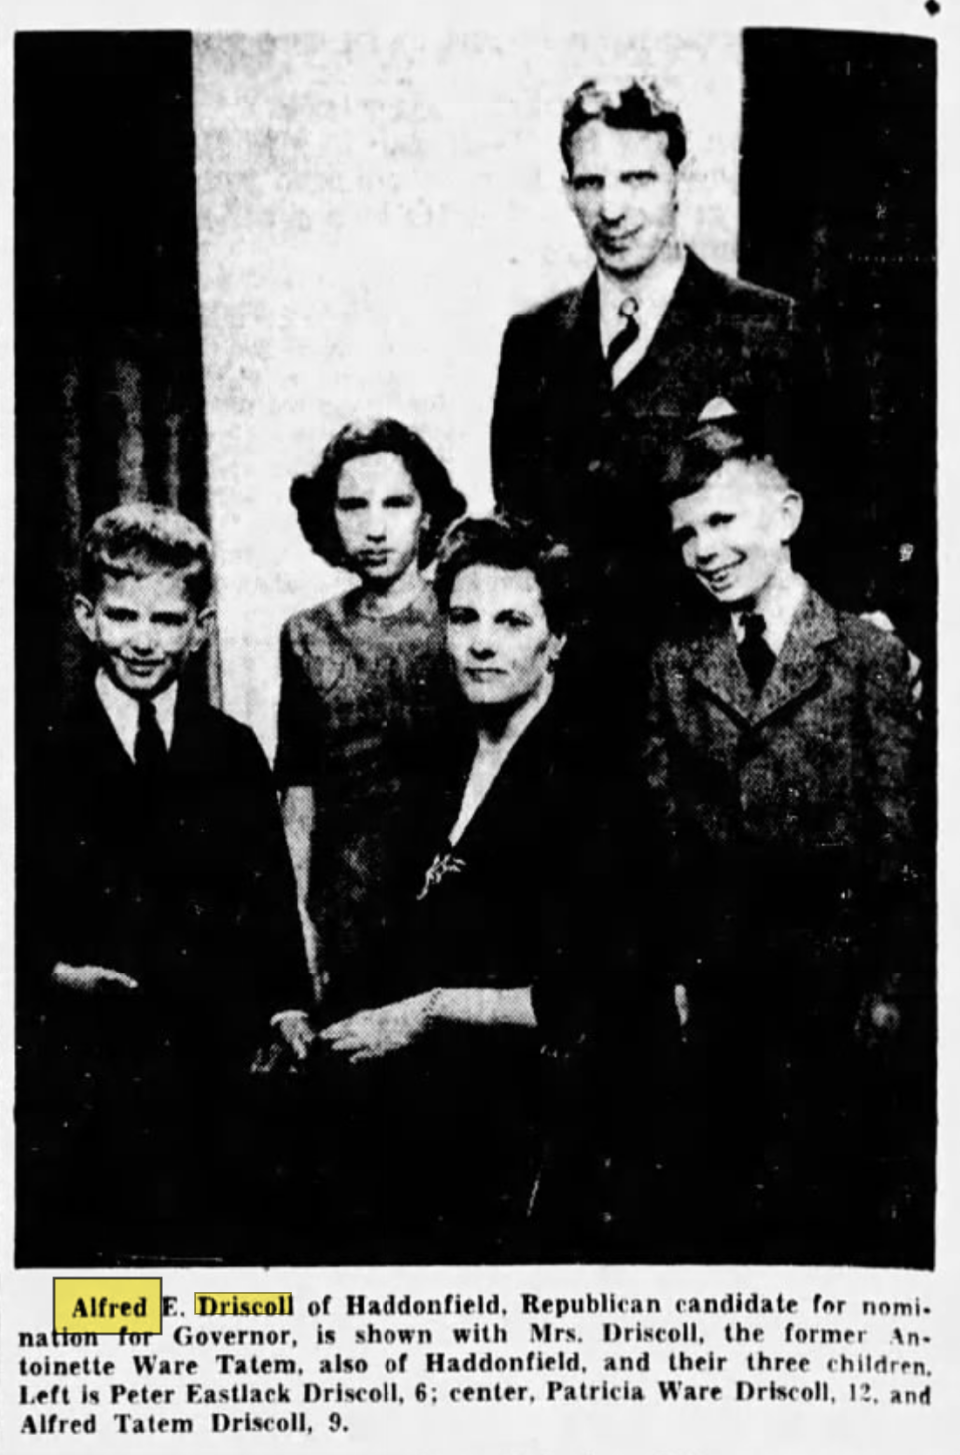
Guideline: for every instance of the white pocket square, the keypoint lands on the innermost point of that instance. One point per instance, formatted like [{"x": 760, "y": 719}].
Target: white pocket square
[{"x": 718, "y": 408}]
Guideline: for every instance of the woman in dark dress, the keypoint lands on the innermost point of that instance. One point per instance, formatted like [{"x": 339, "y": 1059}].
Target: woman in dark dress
[
  {"x": 361, "y": 676},
  {"x": 443, "y": 1050}
]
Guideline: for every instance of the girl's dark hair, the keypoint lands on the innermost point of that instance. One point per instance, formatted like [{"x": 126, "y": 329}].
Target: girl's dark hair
[
  {"x": 314, "y": 497},
  {"x": 511, "y": 544}
]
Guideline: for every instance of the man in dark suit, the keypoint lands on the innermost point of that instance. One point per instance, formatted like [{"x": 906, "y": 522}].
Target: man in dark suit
[
  {"x": 596, "y": 385},
  {"x": 161, "y": 937}
]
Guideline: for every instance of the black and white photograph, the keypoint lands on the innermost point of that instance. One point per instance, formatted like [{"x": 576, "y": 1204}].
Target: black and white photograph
[{"x": 476, "y": 656}]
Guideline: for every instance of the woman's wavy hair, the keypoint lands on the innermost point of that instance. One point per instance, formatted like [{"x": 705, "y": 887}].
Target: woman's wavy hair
[
  {"x": 512, "y": 544},
  {"x": 314, "y": 497}
]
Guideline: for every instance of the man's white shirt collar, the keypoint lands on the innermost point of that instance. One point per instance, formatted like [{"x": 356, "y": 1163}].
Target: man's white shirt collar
[
  {"x": 778, "y": 609},
  {"x": 653, "y": 291},
  {"x": 124, "y": 711}
]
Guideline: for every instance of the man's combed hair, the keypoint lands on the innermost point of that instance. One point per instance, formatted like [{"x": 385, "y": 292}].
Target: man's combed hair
[
  {"x": 626, "y": 104},
  {"x": 709, "y": 447},
  {"x": 140, "y": 540},
  {"x": 510, "y": 544},
  {"x": 314, "y": 497}
]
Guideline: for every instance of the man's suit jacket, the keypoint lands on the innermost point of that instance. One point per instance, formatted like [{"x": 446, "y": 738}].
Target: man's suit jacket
[
  {"x": 586, "y": 461},
  {"x": 184, "y": 884},
  {"x": 560, "y": 431},
  {"x": 791, "y": 815}
]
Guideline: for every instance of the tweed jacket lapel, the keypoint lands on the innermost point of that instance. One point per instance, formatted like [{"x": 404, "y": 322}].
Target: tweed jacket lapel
[
  {"x": 797, "y": 671},
  {"x": 716, "y": 667},
  {"x": 799, "y": 667}
]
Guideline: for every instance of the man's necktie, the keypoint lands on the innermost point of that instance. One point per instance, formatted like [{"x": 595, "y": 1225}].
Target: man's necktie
[
  {"x": 627, "y": 336},
  {"x": 149, "y": 748},
  {"x": 756, "y": 654}
]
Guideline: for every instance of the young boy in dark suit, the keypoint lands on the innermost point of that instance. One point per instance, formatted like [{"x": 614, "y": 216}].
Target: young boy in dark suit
[
  {"x": 780, "y": 752},
  {"x": 163, "y": 932}
]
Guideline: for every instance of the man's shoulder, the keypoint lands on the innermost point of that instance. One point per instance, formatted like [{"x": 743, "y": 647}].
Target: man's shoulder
[
  {"x": 737, "y": 294},
  {"x": 555, "y": 312},
  {"x": 765, "y": 300},
  {"x": 717, "y": 290}
]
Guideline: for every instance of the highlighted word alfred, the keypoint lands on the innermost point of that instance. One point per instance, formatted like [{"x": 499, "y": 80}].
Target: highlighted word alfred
[{"x": 107, "y": 1305}]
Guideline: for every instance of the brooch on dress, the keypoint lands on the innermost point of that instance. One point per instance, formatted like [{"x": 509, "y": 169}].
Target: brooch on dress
[{"x": 444, "y": 864}]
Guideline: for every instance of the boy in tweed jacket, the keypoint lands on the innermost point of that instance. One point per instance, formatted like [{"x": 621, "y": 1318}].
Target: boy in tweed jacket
[{"x": 780, "y": 752}]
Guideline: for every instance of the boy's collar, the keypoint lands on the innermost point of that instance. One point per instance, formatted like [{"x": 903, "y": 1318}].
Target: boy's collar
[
  {"x": 778, "y": 608},
  {"x": 124, "y": 710}
]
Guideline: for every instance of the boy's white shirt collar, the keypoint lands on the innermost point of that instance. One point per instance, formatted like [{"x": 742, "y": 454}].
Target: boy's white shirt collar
[
  {"x": 653, "y": 291},
  {"x": 779, "y": 606},
  {"x": 124, "y": 711}
]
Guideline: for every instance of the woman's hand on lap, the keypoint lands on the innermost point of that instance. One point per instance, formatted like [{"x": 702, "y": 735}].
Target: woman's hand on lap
[{"x": 371, "y": 1034}]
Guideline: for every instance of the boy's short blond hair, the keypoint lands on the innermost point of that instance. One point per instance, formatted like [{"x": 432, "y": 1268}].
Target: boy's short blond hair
[{"x": 140, "y": 540}]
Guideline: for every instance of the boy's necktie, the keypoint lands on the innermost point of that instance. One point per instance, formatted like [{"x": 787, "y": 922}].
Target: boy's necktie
[
  {"x": 149, "y": 748},
  {"x": 756, "y": 655},
  {"x": 627, "y": 336}
]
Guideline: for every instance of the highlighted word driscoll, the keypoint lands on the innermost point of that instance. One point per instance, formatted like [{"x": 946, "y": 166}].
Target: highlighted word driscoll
[
  {"x": 242, "y": 1305},
  {"x": 107, "y": 1305}
]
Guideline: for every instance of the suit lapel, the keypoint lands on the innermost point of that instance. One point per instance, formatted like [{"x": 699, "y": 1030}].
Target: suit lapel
[
  {"x": 798, "y": 670},
  {"x": 193, "y": 748},
  {"x": 799, "y": 667},
  {"x": 670, "y": 374},
  {"x": 104, "y": 751},
  {"x": 580, "y": 339},
  {"x": 717, "y": 669},
  {"x": 182, "y": 750},
  {"x": 671, "y": 360}
]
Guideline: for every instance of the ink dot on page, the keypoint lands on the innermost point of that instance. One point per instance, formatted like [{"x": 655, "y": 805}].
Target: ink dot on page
[{"x": 932, "y": 7}]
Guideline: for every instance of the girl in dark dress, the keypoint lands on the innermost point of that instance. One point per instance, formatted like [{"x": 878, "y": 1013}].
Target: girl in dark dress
[{"x": 361, "y": 676}]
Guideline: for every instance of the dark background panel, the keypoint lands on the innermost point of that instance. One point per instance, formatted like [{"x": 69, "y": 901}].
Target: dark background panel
[
  {"x": 109, "y": 384},
  {"x": 109, "y": 388},
  {"x": 837, "y": 196},
  {"x": 838, "y": 208}
]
